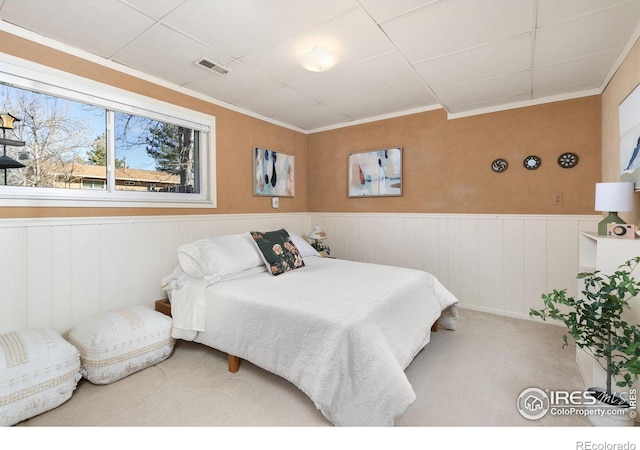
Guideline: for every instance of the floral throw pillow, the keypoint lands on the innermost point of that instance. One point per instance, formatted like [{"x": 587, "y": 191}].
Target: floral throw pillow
[{"x": 278, "y": 251}]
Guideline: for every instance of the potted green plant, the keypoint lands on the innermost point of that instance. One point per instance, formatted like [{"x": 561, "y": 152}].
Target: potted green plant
[{"x": 595, "y": 322}]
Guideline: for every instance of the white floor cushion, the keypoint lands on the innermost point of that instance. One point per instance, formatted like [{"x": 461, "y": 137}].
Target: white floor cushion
[
  {"x": 120, "y": 342},
  {"x": 39, "y": 371}
]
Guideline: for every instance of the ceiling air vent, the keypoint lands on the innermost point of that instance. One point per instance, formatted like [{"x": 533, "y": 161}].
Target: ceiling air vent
[{"x": 210, "y": 65}]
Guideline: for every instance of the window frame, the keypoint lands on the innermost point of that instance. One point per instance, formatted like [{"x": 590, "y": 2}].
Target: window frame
[{"x": 32, "y": 76}]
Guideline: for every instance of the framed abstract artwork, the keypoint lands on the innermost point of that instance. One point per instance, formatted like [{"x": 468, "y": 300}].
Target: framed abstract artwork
[
  {"x": 376, "y": 173},
  {"x": 274, "y": 174},
  {"x": 629, "y": 120}
]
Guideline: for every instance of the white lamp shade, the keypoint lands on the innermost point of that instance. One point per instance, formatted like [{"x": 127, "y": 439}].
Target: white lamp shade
[
  {"x": 614, "y": 197},
  {"x": 317, "y": 233}
]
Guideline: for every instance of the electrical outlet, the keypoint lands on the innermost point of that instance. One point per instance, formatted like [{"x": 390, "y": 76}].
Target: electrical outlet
[
  {"x": 275, "y": 202},
  {"x": 557, "y": 199}
]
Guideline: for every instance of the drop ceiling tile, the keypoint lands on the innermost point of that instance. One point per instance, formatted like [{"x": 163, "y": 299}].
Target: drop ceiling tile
[
  {"x": 276, "y": 101},
  {"x": 155, "y": 8},
  {"x": 551, "y": 12},
  {"x": 151, "y": 54},
  {"x": 594, "y": 33},
  {"x": 352, "y": 35},
  {"x": 389, "y": 99},
  {"x": 378, "y": 73},
  {"x": 459, "y": 47},
  {"x": 516, "y": 100},
  {"x": 382, "y": 10},
  {"x": 390, "y": 110},
  {"x": 102, "y": 29},
  {"x": 579, "y": 90},
  {"x": 587, "y": 72},
  {"x": 312, "y": 117},
  {"x": 240, "y": 83},
  {"x": 449, "y": 26},
  {"x": 241, "y": 27},
  {"x": 487, "y": 61},
  {"x": 486, "y": 92}
]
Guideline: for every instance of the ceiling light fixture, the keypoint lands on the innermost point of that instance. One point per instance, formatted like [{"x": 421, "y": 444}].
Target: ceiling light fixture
[{"x": 319, "y": 59}]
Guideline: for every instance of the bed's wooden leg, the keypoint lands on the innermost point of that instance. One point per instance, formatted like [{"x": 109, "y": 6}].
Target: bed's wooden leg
[
  {"x": 434, "y": 327},
  {"x": 234, "y": 363}
]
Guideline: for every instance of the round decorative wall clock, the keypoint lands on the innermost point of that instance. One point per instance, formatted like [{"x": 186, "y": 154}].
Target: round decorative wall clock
[
  {"x": 532, "y": 162},
  {"x": 499, "y": 165},
  {"x": 568, "y": 160}
]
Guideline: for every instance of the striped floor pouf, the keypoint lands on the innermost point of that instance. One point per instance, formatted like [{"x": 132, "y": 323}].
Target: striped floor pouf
[
  {"x": 120, "y": 342},
  {"x": 39, "y": 371}
]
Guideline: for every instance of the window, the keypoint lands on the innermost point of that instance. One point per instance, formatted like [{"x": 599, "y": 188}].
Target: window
[
  {"x": 154, "y": 153},
  {"x": 93, "y": 184},
  {"x": 59, "y": 137},
  {"x": 89, "y": 143}
]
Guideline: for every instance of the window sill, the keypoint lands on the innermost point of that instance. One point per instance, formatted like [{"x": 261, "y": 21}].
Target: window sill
[{"x": 6, "y": 201}]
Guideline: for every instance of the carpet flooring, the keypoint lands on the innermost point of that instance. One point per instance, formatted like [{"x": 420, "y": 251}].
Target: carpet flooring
[{"x": 470, "y": 377}]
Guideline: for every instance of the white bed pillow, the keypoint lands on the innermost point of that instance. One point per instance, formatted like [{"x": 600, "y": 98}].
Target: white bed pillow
[
  {"x": 219, "y": 256},
  {"x": 303, "y": 246}
]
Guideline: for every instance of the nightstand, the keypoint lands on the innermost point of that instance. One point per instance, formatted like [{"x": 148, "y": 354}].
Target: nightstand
[{"x": 164, "y": 306}]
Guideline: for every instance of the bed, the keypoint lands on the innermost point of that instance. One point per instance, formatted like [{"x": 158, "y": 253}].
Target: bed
[{"x": 343, "y": 332}]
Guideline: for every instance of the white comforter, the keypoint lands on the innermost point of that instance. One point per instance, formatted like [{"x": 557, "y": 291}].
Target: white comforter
[{"x": 343, "y": 332}]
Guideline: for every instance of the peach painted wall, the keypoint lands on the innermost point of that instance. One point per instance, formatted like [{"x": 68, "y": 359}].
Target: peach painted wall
[
  {"x": 447, "y": 163},
  {"x": 236, "y": 134},
  {"x": 621, "y": 85}
]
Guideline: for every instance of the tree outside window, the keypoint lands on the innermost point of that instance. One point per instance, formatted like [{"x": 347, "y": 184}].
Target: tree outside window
[{"x": 67, "y": 147}]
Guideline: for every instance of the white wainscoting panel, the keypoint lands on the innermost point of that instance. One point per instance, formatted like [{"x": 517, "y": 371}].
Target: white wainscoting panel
[
  {"x": 56, "y": 272},
  {"x": 495, "y": 263}
]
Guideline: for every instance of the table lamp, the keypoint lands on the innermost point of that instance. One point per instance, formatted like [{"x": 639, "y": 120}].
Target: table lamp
[
  {"x": 317, "y": 236},
  {"x": 613, "y": 198}
]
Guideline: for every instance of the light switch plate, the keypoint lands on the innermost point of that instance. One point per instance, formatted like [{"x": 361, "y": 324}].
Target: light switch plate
[{"x": 275, "y": 202}]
